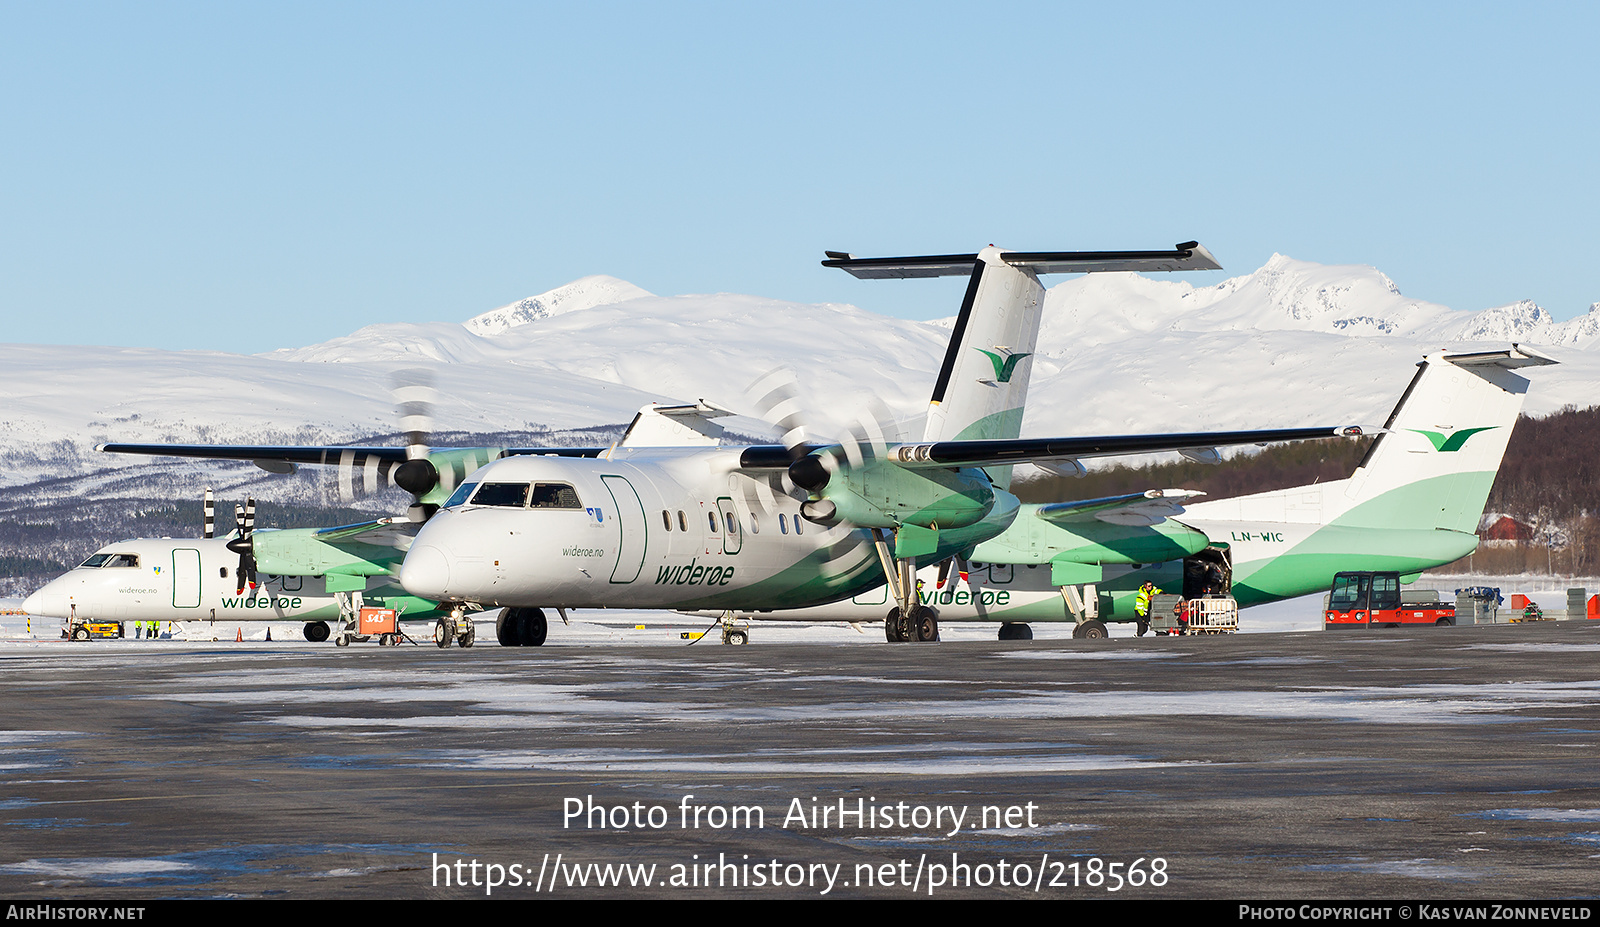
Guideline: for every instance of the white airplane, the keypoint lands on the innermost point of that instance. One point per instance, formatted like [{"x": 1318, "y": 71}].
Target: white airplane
[
  {"x": 320, "y": 576},
  {"x": 1413, "y": 503},
  {"x": 671, "y": 518}
]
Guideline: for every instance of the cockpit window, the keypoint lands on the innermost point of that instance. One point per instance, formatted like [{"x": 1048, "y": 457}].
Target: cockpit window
[
  {"x": 554, "y": 496},
  {"x": 112, "y": 560},
  {"x": 506, "y": 495},
  {"x": 460, "y": 495}
]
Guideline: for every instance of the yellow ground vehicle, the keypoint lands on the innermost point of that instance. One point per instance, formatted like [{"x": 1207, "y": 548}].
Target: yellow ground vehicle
[{"x": 84, "y": 630}]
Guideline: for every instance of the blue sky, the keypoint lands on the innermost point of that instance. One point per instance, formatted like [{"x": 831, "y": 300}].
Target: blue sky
[{"x": 246, "y": 177}]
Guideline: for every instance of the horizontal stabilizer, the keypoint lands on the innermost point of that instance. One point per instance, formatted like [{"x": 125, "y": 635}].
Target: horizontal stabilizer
[
  {"x": 1189, "y": 255},
  {"x": 1518, "y": 356}
]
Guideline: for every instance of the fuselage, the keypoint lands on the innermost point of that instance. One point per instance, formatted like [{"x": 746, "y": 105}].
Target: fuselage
[{"x": 655, "y": 528}]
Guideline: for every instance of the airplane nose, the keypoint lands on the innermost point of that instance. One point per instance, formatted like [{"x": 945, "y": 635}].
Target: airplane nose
[
  {"x": 426, "y": 572},
  {"x": 50, "y": 601}
]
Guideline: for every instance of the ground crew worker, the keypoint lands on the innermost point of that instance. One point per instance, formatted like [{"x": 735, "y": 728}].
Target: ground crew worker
[{"x": 1141, "y": 605}]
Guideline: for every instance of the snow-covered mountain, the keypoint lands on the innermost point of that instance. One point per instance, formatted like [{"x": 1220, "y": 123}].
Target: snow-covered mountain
[
  {"x": 583, "y": 293},
  {"x": 1293, "y": 343}
]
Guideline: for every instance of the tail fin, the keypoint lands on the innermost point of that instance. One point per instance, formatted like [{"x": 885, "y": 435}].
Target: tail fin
[
  {"x": 1436, "y": 460},
  {"x": 983, "y": 382}
]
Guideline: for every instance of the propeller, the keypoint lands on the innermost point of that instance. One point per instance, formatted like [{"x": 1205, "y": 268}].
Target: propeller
[
  {"x": 243, "y": 545},
  {"x": 210, "y": 528},
  {"x": 866, "y": 437},
  {"x": 414, "y": 398}
]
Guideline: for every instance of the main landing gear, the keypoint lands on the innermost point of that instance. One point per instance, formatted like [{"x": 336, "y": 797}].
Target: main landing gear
[
  {"x": 922, "y": 625},
  {"x": 910, "y": 620},
  {"x": 521, "y": 627}
]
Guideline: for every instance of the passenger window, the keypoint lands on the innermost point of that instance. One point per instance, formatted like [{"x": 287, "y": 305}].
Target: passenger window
[
  {"x": 797, "y": 524},
  {"x": 683, "y": 521},
  {"x": 733, "y": 526},
  {"x": 554, "y": 496},
  {"x": 503, "y": 495},
  {"x": 755, "y": 526},
  {"x": 666, "y": 519},
  {"x": 783, "y": 524},
  {"x": 712, "y": 519}
]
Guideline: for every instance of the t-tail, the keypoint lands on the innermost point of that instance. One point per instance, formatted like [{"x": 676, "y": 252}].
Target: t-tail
[
  {"x": 982, "y": 387},
  {"x": 1436, "y": 460},
  {"x": 1413, "y": 502}
]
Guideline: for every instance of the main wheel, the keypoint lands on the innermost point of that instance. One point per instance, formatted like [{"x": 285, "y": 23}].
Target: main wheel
[
  {"x": 534, "y": 628},
  {"x": 316, "y": 631},
  {"x": 1016, "y": 631},
  {"x": 508, "y": 627},
  {"x": 1093, "y": 629},
  {"x": 924, "y": 624},
  {"x": 891, "y": 627}
]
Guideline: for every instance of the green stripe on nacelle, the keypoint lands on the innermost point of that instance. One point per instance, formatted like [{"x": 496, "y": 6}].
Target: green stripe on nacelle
[{"x": 454, "y": 466}]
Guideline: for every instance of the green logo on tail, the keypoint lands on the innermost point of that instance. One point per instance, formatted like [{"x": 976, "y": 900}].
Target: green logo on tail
[
  {"x": 1005, "y": 366},
  {"x": 1444, "y": 444}
]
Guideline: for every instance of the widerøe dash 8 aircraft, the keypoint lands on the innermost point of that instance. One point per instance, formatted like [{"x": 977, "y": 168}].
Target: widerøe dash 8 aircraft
[
  {"x": 671, "y": 518},
  {"x": 296, "y": 574},
  {"x": 1413, "y": 503}
]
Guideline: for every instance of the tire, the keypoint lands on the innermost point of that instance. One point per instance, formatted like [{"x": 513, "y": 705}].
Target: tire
[
  {"x": 316, "y": 631},
  {"x": 1093, "y": 629},
  {"x": 444, "y": 631},
  {"x": 80, "y": 634},
  {"x": 508, "y": 627},
  {"x": 924, "y": 624},
  {"x": 1016, "y": 631},
  {"x": 738, "y": 638},
  {"x": 1445, "y": 623},
  {"x": 342, "y": 640},
  {"x": 468, "y": 634},
  {"x": 534, "y": 628},
  {"x": 889, "y": 622}
]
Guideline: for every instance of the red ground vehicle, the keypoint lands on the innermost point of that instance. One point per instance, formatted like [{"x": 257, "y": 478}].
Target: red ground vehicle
[{"x": 1365, "y": 599}]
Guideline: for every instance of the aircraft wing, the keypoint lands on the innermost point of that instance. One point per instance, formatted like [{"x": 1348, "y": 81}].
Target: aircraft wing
[
  {"x": 1026, "y": 450},
  {"x": 1152, "y": 504},
  {"x": 987, "y": 453},
  {"x": 329, "y": 455},
  {"x": 390, "y": 531}
]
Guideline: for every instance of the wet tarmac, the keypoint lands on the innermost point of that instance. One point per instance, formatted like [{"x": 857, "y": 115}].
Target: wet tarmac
[{"x": 1436, "y": 763}]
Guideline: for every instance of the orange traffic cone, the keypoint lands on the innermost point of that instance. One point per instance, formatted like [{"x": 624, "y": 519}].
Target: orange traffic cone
[
  {"x": 269, "y": 633},
  {"x": 238, "y": 636}
]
